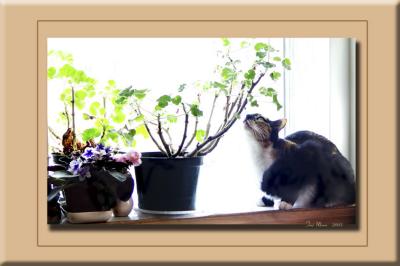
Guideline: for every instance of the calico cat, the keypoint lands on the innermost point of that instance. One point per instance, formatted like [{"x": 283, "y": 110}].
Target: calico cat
[{"x": 303, "y": 170}]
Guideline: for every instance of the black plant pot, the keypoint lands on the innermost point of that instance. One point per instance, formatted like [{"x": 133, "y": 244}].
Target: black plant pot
[
  {"x": 98, "y": 193},
  {"x": 167, "y": 184}
]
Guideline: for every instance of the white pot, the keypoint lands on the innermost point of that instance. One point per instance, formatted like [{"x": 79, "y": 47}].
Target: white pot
[
  {"x": 88, "y": 217},
  {"x": 123, "y": 208}
]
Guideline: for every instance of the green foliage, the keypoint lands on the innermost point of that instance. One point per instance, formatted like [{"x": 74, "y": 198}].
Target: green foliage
[
  {"x": 195, "y": 111},
  {"x": 125, "y": 117},
  {"x": 200, "y": 134},
  {"x": 163, "y": 101},
  {"x": 275, "y": 75},
  {"x": 250, "y": 75},
  {"x": 172, "y": 118},
  {"x": 141, "y": 130},
  {"x": 270, "y": 92},
  {"x": 286, "y": 63},
  {"x": 90, "y": 134},
  {"x": 226, "y": 41},
  {"x": 182, "y": 87},
  {"x": 176, "y": 100}
]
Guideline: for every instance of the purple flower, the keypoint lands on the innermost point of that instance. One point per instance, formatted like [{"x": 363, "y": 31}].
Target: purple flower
[
  {"x": 100, "y": 147},
  {"x": 89, "y": 153},
  {"x": 74, "y": 166},
  {"x": 84, "y": 172},
  {"x": 107, "y": 149}
]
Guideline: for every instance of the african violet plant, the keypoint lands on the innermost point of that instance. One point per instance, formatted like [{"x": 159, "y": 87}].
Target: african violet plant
[{"x": 234, "y": 88}]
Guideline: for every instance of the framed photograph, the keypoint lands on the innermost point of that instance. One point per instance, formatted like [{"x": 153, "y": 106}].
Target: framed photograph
[{"x": 199, "y": 127}]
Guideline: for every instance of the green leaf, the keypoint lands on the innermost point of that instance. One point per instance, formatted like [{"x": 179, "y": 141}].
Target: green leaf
[
  {"x": 176, "y": 100},
  {"x": 228, "y": 73},
  {"x": 276, "y": 102},
  {"x": 194, "y": 109},
  {"x": 90, "y": 133},
  {"x": 286, "y": 63},
  {"x": 111, "y": 83},
  {"x": 261, "y": 54},
  {"x": 275, "y": 75},
  {"x": 261, "y": 46},
  {"x": 118, "y": 175},
  {"x": 80, "y": 104},
  {"x": 80, "y": 95},
  {"x": 200, "y": 134},
  {"x": 218, "y": 85},
  {"x": 226, "y": 42},
  {"x": 139, "y": 118},
  {"x": 93, "y": 108},
  {"x": 181, "y": 87},
  {"x": 249, "y": 75},
  {"x": 132, "y": 132},
  {"x": 277, "y": 58},
  {"x": 66, "y": 95},
  {"x": 87, "y": 116},
  {"x": 51, "y": 72},
  {"x": 62, "y": 175},
  {"x": 66, "y": 71},
  {"x": 102, "y": 111},
  {"x": 267, "y": 92},
  {"x": 141, "y": 130},
  {"x": 254, "y": 103},
  {"x": 140, "y": 94},
  {"x": 113, "y": 135},
  {"x": 244, "y": 44},
  {"x": 90, "y": 90},
  {"x": 118, "y": 116},
  {"x": 172, "y": 118},
  {"x": 163, "y": 101},
  {"x": 268, "y": 64}
]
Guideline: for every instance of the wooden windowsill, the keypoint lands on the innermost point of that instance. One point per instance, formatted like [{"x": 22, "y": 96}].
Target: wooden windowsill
[{"x": 321, "y": 217}]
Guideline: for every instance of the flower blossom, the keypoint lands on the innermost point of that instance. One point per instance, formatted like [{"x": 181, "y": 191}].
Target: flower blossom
[
  {"x": 131, "y": 157},
  {"x": 75, "y": 166}
]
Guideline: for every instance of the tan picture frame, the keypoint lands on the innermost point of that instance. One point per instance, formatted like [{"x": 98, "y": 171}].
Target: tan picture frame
[{"x": 28, "y": 238}]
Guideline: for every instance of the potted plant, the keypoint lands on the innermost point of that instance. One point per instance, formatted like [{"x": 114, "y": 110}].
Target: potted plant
[
  {"x": 167, "y": 179},
  {"x": 95, "y": 183},
  {"x": 93, "y": 177}
]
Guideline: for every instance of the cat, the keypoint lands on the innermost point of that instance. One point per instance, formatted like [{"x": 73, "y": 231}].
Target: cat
[{"x": 304, "y": 170}]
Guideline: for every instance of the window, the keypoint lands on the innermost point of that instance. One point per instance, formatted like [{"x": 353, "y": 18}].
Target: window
[{"x": 318, "y": 95}]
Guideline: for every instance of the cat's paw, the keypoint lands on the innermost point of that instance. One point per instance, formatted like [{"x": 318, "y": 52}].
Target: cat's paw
[{"x": 283, "y": 205}]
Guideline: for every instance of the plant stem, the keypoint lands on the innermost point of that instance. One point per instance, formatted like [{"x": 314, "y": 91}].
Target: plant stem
[
  {"x": 73, "y": 118},
  {"x": 160, "y": 134},
  {"x": 103, "y": 126},
  {"x": 153, "y": 139},
  {"x": 230, "y": 123},
  {"x": 193, "y": 136},
  {"x": 150, "y": 134},
  {"x": 184, "y": 132},
  {"x": 54, "y": 133},
  {"x": 66, "y": 115},
  {"x": 208, "y": 127}
]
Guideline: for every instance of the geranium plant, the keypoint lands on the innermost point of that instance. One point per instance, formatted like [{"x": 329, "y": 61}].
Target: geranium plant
[{"x": 235, "y": 86}]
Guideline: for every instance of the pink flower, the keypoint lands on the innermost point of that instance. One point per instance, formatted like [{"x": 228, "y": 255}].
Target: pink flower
[
  {"x": 131, "y": 157},
  {"x": 121, "y": 158},
  {"x": 134, "y": 157}
]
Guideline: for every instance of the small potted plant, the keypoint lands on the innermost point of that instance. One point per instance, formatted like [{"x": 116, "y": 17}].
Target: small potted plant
[
  {"x": 167, "y": 179},
  {"x": 96, "y": 183},
  {"x": 94, "y": 177}
]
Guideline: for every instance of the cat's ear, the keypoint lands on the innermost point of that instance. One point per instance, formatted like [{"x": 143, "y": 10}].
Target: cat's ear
[{"x": 279, "y": 124}]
